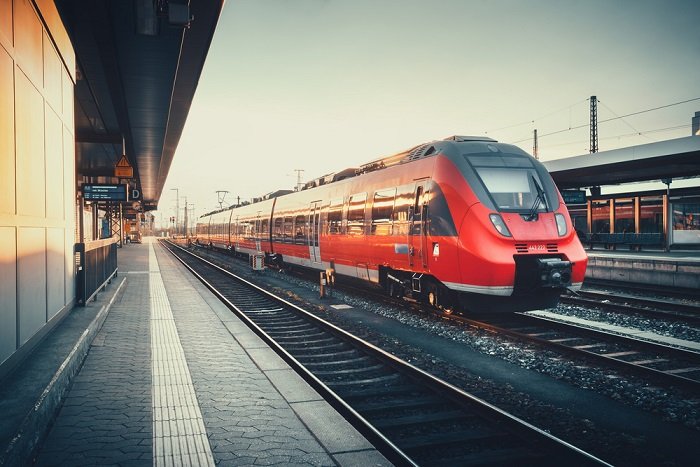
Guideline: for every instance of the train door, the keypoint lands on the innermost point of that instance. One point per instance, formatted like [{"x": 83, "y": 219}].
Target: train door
[
  {"x": 235, "y": 234},
  {"x": 313, "y": 232},
  {"x": 417, "y": 235},
  {"x": 258, "y": 234}
]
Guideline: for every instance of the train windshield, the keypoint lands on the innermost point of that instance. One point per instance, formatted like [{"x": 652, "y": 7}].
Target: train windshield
[{"x": 512, "y": 183}]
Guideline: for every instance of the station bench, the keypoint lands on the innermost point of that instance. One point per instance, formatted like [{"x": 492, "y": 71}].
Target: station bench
[{"x": 635, "y": 241}]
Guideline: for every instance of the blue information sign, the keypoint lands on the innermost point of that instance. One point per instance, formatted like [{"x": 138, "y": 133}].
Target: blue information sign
[
  {"x": 574, "y": 196},
  {"x": 103, "y": 192}
]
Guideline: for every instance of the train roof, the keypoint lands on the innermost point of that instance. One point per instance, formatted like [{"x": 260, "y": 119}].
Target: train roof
[
  {"x": 415, "y": 153},
  {"x": 403, "y": 157}
]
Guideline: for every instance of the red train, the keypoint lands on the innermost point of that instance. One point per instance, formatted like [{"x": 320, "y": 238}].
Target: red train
[{"x": 464, "y": 221}]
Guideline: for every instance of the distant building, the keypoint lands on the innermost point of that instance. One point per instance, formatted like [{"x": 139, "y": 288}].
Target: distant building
[{"x": 696, "y": 124}]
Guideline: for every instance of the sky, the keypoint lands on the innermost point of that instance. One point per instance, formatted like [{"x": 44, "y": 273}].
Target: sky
[{"x": 323, "y": 85}]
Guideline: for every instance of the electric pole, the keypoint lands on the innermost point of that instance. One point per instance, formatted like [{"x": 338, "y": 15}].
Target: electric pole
[
  {"x": 534, "y": 145},
  {"x": 594, "y": 124},
  {"x": 299, "y": 172},
  {"x": 177, "y": 210},
  {"x": 186, "y": 224}
]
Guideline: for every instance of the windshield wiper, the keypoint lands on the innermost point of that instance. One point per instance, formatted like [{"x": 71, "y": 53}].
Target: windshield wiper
[{"x": 540, "y": 198}]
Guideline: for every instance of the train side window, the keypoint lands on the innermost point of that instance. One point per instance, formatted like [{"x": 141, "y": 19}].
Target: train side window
[
  {"x": 402, "y": 205},
  {"x": 277, "y": 233},
  {"x": 264, "y": 229},
  {"x": 356, "y": 214},
  {"x": 335, "y": 216},
  {"x": 382, "y": 211},
  {"x": 231, "y": 231},
  {"x": 288, "y": 230},
  {"x": 300, "y": 230},
  {"x": 417, "y": 221},
  {"x": 417, "y": 205}
]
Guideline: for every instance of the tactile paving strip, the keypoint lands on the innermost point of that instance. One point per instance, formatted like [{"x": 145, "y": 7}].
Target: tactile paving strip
[{"x": 179, "y": 436}]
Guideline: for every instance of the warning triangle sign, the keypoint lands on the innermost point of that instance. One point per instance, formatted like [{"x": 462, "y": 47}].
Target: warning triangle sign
[
  {"x": 123, "y": 169},
  {"x": 123, "y": 162}
]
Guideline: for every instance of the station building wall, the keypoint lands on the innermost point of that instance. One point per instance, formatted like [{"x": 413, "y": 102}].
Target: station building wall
[{"x": 37, "y": 174}]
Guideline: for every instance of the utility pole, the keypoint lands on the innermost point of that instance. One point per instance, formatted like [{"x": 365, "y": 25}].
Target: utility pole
[
  {"x": 594, "y": 124},
  {"x": 193, "y": 220},
  {"x": 299, "y": 172},
  {"x": 186, "y": 224},
  {"x": 534, "y": 145},
  {"x": 177, "y": 210}
]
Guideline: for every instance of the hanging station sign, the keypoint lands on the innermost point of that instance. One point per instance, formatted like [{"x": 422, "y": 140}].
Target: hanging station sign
[
  {"x": 104, "y": 192},
  {"x": 574, "y": 196}
]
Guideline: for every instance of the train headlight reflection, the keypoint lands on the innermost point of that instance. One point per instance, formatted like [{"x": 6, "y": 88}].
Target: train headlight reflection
[
  {"x": 561, "y": 224},
  {"x": 499, "y": 225}
]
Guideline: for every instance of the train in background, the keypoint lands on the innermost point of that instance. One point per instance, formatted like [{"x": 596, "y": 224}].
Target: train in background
[{"x": 462, "y": 222}]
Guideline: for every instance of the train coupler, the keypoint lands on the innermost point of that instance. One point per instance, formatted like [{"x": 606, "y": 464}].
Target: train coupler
[
  {"x": 534, "y": 273},
  {"x": 554, "y": 272}
]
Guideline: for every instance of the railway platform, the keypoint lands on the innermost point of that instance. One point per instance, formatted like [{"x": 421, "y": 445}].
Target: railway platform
[
  {"x": 157, "y": 371},
  {"x": 675, "y": 268}
]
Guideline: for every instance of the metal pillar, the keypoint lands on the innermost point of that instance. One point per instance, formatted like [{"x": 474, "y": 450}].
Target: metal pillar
[
  {"x": 667, "y": 224},
  {"x": 612, "y": 215},
  {"x": 534, "y": 145},
  {"x": 594, "y": 124},
  {"x": 116, "y": 221},
  {"x": 589, "y": 215}
]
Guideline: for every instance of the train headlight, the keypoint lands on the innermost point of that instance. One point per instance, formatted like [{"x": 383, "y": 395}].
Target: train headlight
[
  {"x": 561, "y": 224},
  {"x": 499, "y": 225}
]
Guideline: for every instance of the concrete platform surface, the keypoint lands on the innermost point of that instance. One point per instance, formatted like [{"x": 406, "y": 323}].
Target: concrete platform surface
[
  {"x": 171, "y": 377},
  {"x": 678, "y": 269}
]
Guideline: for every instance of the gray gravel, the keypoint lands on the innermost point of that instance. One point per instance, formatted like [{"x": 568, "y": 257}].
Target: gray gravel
[
  {"x": 668, "y": 405},
  {"x": 671, "y": 405}
]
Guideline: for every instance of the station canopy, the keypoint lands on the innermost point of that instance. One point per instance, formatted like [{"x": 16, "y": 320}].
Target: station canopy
[
  {"x": 138, "y": 65},
  {"x": 663, "y": 160}
]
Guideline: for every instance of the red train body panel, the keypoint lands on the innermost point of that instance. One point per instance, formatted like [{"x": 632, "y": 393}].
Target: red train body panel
[{"x": 462, "y": 221}]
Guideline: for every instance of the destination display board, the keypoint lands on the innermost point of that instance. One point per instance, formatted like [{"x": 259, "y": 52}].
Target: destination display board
[
  {"x": 103, "y": 192},
  {"x": 574, "y": 196}
]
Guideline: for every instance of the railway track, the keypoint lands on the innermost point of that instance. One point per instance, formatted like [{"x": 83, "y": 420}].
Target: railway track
[
  {"x": 679, "y": 292},
  {"x": 412, "y": 417},
  {"x": 663, "y": 364},
  {"x": 625, "y": 303}
]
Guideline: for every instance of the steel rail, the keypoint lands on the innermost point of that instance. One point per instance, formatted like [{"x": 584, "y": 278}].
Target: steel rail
[
  {"x": 661, "y": 376},
  {"x": 552, "y": 446}
]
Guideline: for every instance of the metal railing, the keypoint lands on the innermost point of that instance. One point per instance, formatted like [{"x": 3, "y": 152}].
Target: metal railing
[{"x": 97, "y": 265}]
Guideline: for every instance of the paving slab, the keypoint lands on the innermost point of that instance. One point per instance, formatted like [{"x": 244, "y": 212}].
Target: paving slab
[{"x": 172, "y": 377}]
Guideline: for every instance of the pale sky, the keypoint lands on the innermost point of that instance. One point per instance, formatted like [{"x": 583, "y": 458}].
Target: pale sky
[{"x": 322, "y": 85}]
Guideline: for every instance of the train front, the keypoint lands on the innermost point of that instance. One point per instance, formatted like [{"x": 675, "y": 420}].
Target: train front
[{"x": 517, "y": 249}]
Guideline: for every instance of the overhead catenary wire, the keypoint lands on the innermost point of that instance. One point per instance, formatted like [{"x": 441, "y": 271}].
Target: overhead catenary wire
[
  {"x": 515, "y": 125},
  {"x": 626, "y": 135},
  {"x": 585, "y": 125},
  {"x": 623, "y": 119}
]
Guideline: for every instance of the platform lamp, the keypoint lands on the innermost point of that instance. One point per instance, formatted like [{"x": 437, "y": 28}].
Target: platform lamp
[{"x": 177, "y": 210}]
